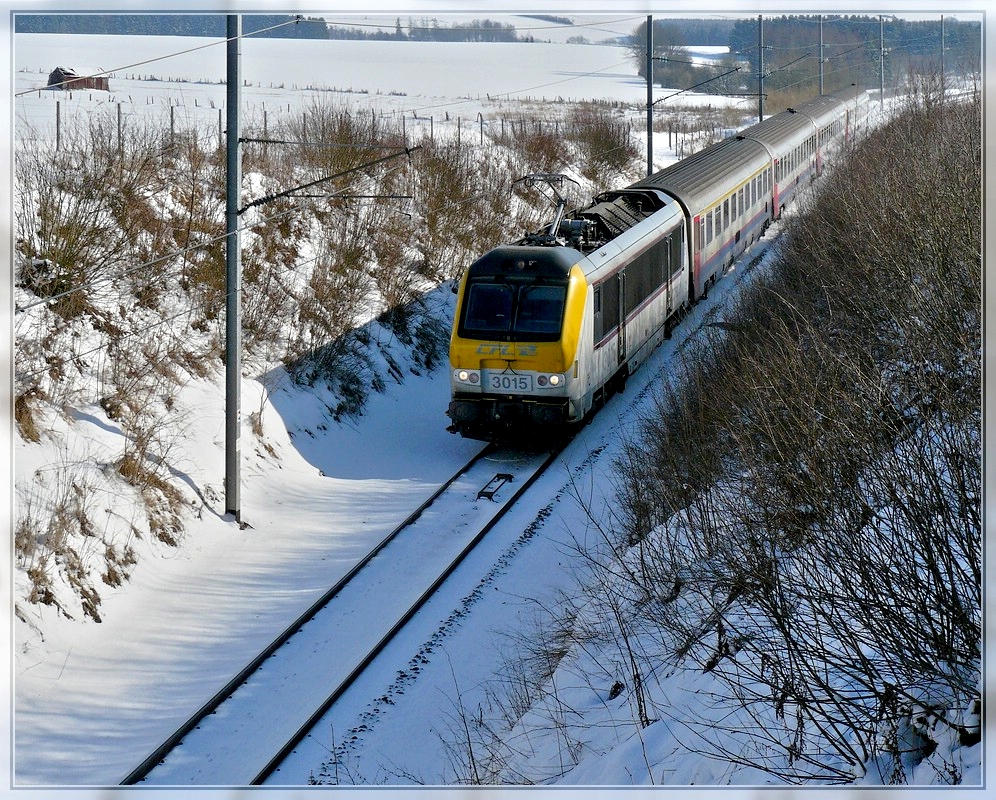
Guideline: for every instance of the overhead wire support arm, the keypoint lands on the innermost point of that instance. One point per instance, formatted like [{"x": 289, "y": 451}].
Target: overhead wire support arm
[
  {"x": 697, "y": 85},
  {"x": 789, "y": 64},
  {"x": 276, "y": 196}
]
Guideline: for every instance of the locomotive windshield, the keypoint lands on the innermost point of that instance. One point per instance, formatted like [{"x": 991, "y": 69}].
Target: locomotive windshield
[{"x": 513, "y": 311}]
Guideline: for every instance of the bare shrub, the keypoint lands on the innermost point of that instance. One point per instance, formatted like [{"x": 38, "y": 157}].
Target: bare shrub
[
  {"x": 331, "y": 303},
  {"x": 88, "y": 207},
  {"x": 55, "y": 538},
  {"x": 196, "y": 212},
  {"x": 25, "y": 414},
  {"x": 334, "y": 137},
  {"x": 540, "y": 145},
  {"x": 603, "y": 141},
  {"x": 446, "y": 192},
  {"x": 813, "y": 483}
]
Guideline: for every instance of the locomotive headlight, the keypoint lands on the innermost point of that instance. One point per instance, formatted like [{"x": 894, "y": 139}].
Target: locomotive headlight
[
  {"x": 555, "y": 380},
  {"x": 544, "y": 381},
  {"x": 468, "y": 376}
]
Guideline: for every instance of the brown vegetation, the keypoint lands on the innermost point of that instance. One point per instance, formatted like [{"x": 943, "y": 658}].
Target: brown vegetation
[
  {"x": 121, "y": 253},
  {"x": 806, "y": 500}
]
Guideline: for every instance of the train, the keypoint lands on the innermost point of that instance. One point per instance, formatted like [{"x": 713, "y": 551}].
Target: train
[{"x": 546, "y": 328}]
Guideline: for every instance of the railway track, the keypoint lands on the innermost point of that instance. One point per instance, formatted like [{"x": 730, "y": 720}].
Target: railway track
[{"x": 229, "y": 742}]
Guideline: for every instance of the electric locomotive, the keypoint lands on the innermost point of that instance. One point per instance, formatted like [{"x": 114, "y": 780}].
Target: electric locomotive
[{"x": 547, "y": 327}]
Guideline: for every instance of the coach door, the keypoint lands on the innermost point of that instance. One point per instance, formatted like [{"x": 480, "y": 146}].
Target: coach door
[{"x": 622, "y": 316}]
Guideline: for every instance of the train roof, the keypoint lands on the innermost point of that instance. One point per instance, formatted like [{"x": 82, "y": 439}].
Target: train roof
[
  {"x": 776, "y": 132},
  {"x": 822, "y": 109},
  {"x": 698, "y": 180},
  {"x": 800, "y": 121},
  {"x": 508, "y": 260},
  {"x": 618, "y": 211}
]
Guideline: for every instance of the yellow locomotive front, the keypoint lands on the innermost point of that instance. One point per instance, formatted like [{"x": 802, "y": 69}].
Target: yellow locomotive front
[{"x": 514, "y": 345}]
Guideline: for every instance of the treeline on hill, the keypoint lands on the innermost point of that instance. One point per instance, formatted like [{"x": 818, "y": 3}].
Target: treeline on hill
[
  {"x": 803, "y": 508},
  {"x": 208, "y": 25},
  {"x": 431, "y": 29},
  {"x": 851, "y": 52},
  {"x": 268, "y": 25}
]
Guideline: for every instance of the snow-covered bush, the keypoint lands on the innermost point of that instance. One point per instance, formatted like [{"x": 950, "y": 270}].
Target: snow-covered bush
[{"x": 812, "y": 484}]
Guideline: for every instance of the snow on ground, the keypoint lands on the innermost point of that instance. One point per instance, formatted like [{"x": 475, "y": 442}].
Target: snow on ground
[{"x": 91, "y": 700}]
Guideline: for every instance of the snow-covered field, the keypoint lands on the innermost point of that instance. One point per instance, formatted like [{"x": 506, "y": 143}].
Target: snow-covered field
[
  {"x": 426, "y": 83},
  {"x": 91, "y": 700}
]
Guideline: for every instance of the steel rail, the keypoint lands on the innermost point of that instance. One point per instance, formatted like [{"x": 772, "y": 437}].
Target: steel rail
[{"x": 368, "y": 659}]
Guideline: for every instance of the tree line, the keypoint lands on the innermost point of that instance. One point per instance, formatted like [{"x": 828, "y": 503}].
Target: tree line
[
  {"x": 851, "y": 53},
  {"x": 282, "y": 26},
  {"x": 207, "y": 25}
]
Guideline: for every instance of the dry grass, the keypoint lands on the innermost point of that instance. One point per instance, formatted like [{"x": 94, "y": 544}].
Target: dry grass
[{"x": 26, "y": 413}]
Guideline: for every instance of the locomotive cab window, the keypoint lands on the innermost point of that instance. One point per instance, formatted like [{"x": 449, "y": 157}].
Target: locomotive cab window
[
  {"x": 540, "y": 309},
  {"x": 489, "y": 308},
  {"x": 519, "y": 311}
]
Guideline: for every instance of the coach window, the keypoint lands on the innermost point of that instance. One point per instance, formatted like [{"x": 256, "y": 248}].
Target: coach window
[
  {"x": 610, "y": 305},
  {"x": 726, "y": 213},
  {"x": 708, "y": 239},
  {"x": 675, "y": 251}
]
